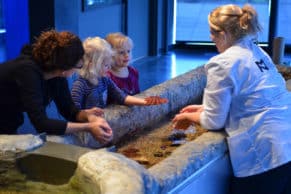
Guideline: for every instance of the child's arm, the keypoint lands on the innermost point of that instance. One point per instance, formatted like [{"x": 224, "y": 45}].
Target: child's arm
[
  {"x": 151, "y": 100},
  {"x": 122, "y": 98},
  {"x": 132, "y": 100},
  {"x": 77, "y": 93}
]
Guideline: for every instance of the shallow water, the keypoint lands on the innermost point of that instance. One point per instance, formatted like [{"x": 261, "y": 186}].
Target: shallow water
[
  {"x": 13, "y": 181},
  {"x": 150, "y": 146}
]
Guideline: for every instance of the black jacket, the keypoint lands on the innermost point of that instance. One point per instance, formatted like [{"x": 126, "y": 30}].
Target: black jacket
[{"x": 23, "y": 89}]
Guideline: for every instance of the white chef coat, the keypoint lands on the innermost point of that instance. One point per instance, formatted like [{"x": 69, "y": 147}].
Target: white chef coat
[{"x": 247, "y": 96}]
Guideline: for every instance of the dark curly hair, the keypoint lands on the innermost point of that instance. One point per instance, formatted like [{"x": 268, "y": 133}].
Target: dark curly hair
[{"x": 54, "y": 50}]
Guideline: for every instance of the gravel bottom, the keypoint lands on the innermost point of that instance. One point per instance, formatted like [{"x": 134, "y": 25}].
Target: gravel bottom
[{"x": 148, "y": 147}]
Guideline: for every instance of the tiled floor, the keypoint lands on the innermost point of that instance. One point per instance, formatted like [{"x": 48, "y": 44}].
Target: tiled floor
[
  {"x": 155, "y": 70},
  {"x": 152, "y": 71}
]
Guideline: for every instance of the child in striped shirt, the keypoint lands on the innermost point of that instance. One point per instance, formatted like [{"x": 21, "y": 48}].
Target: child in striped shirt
[{"x": 93, "y": 88}]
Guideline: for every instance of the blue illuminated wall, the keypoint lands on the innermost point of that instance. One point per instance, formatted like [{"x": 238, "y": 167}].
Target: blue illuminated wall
[
  {"x": 25, "y": 20},
  {"x": 17, "y": 26}
]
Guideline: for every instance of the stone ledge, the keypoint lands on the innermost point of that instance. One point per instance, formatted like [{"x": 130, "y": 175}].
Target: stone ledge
[
  {"x": 99, "y": 170},
  {"x": 19, "y": 143},
  {"x": 102, "y": 171},
  {"x": 188, "y": 159},
  {"x": 106, "y": 172},
  {"x": 181, "y": 91}
]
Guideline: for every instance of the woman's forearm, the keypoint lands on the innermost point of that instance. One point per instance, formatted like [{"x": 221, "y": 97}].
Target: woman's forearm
[{"x": 73, "y": 127}]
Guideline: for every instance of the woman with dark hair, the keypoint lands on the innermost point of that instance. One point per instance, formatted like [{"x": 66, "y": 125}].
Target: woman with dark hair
[{"x": 37, "y": 77}]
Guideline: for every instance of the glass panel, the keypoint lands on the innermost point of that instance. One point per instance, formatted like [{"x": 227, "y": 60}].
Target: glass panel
[
  {"x": 89, "y": 4},
  {"x": 2, "y": 34},
  {"x": 191, "y": 18},
  {"x": 1, "y": 15},
  {"x": 283, "y": 20}
]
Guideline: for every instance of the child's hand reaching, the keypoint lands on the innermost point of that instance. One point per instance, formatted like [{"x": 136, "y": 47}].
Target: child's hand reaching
[{"x": 155, "y": 100}]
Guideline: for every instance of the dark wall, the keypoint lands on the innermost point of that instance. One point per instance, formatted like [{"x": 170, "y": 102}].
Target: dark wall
[
  {"x": 131, "y": 19},
  {"x": 27, "y": 18},
  {"x": 100, "y": 21},
  {"x": 41, "y": 17},
  {"x": 138, "y": 27},
  {"x": 67, "y": 15}
]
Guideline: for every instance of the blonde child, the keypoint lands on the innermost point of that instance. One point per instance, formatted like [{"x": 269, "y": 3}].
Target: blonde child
[
  {"x": 93, "y": 88},
  {"x": 123, "y": 75}
]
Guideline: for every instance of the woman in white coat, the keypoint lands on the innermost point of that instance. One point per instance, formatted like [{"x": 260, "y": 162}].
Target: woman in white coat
[{"x": 247, "y": 97}]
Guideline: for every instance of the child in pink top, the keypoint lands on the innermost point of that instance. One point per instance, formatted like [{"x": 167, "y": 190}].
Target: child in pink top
[{"x": 123, "y": 75}]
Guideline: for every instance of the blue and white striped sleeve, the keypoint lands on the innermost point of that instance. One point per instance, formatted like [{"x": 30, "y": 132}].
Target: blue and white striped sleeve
[{"x": 78, "y": 93}]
